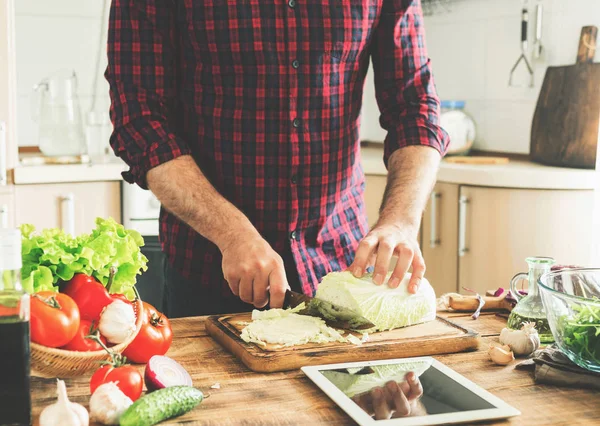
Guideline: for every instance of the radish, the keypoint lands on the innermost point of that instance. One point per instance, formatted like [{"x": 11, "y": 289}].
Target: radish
[{"x": 163, "y": 372}]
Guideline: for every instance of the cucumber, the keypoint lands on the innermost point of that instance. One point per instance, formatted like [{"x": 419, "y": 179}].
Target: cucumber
[{"x": 161, "y": 405}]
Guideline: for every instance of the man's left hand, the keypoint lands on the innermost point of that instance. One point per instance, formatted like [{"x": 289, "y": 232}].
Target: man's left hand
[{"x": 380, "y": 245}]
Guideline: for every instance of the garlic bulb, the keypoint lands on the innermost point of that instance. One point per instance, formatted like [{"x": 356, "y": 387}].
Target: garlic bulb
[
  {"x": 64, "y": 412},
  {"x": 108, "y": 403},
  {"x": 523, "y": 341},
  {"x": 501, "y": 355},
  {"x": 117, "y": 322}
]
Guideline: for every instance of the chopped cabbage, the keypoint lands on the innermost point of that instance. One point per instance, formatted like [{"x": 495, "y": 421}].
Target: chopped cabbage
[
  {"x": 287, "y": 328},
  {"x": 385, "y": 307},
  {"x": 352, "y": 381}
]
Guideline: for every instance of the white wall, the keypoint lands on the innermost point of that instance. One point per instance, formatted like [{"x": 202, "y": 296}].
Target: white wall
[
  {"x": 474, "y": 46},
  {"x": 52, "y": 35}
]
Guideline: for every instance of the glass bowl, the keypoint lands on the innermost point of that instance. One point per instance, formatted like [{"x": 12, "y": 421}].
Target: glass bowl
[{"x": 571, "y": 298}]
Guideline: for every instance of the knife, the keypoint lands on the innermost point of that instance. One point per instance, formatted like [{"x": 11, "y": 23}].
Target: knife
[{"x": 335, "y": 316}]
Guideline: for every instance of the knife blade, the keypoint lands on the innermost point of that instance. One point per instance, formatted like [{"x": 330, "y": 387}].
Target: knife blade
[{"x": 335, "y": 316}]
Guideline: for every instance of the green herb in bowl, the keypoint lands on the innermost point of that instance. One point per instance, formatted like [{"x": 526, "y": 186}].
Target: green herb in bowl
[{"x": 581, "y": 332}]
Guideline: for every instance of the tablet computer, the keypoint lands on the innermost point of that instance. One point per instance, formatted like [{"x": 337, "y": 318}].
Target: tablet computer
[{"x": 408, "y": 391}]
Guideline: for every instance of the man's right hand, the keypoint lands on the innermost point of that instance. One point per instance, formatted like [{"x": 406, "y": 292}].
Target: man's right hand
[{"x": 254, "y": 271}]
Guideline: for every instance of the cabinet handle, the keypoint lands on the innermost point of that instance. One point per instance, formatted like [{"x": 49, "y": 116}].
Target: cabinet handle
[
  {"x": 68, "y": 213},
  {"x": 462, "y": 225},
  {"x": 433, "y": 239},
  {"x": 4, "y": 216},
  {"x": 3, "y": 152}
]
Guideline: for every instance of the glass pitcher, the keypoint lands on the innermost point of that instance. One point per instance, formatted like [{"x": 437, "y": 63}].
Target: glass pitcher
[
  {"x": 57, "y": 111},
  {"x": 530, "y": 308}
]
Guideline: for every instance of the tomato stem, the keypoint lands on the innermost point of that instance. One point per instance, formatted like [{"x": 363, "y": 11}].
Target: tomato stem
[
  {"x": 50, "y": 301},
  {"x": 156, "y": 320},
  {"x": 116, "y": 360}
]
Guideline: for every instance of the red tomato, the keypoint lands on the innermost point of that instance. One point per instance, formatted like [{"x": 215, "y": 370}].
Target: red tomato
[
  {"x": 54, "y": 319},
  {"x": 89, "y": 295},
  {"x": 83, "y": 343},
  {"x": 155, "y": 337},
  {"x": 126, "y": 377}
]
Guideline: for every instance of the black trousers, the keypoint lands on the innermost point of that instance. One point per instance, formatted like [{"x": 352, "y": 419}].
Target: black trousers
[{"x": 186, "y": 297}]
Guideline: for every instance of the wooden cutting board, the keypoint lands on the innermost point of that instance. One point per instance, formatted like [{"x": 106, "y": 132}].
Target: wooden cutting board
[
  {"x": 565, "y": 125},
  {"x": 433, "y": 338}
]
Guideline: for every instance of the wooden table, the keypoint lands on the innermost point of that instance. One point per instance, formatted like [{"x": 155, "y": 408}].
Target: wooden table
[{"x": 289, "y": 398}]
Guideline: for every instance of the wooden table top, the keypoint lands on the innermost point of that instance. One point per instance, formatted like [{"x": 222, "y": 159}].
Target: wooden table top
[{"x": 289, "y": 398}]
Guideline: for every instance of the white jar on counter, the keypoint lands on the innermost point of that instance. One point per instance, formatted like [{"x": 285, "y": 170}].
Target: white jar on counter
[{"x": 459, "y": 125}]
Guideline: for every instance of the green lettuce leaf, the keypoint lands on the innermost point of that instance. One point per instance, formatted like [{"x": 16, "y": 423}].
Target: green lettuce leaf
[{"x": 53, "y": 255}]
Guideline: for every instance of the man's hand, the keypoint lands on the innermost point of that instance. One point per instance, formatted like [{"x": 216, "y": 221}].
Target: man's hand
[
  {"x": 393, "y": 400},
  {"x": 411, "y": 176},
  {"x": 254, "y": 271},
  {"x": 377, "y": 249}
]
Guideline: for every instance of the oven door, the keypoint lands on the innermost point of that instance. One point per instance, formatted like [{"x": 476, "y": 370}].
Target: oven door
[{"x": 151, "y": 284}]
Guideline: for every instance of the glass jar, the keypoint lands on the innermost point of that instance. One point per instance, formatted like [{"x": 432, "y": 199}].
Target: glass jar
[
  {"x": 459, "y": 125},
  {"x": 530, "y": 308}
]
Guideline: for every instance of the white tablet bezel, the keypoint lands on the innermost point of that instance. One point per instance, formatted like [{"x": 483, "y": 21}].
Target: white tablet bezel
[{"x": 502, "y": 410}]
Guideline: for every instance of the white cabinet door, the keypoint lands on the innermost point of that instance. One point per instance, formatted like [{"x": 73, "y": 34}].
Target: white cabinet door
[
  {"x": 501, "y": 227},
  {"x": 439, "y": 238},
  {"x": 71, "y": 206},
  {"x": 7, "y": 207}
]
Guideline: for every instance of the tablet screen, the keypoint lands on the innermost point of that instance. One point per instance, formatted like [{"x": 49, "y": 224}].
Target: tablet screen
[{"x": 401, "y": 389}]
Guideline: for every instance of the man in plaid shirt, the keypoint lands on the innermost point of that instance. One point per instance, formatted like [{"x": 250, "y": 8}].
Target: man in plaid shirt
[{"x": 243, "y": 118}]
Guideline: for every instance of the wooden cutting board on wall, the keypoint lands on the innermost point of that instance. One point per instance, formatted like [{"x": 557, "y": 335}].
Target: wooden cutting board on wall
[
  {"x": 433, "y": 338},
  {"x": 565, "y": 125}
]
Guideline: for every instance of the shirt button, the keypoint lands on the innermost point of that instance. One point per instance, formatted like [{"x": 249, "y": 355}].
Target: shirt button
[
  {"x": 293, "y": 235},
  {"x": 296, "y": 123},
  {"x": 292, "y": 3},
  {"x": 294, "y": 179},
  {"x": 295, "y": 64}
]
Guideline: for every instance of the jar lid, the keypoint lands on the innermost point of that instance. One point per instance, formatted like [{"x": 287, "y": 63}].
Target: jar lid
[{"x": 453, "y": 104}]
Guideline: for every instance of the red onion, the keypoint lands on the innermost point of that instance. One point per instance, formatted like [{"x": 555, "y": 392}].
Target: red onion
[{"x": 163, "y": 372}]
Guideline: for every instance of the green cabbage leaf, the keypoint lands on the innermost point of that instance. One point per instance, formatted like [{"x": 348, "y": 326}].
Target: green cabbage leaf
[{"x": 383, "y": 306}]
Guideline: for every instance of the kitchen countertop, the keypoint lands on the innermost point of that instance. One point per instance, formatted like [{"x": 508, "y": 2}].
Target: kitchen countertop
[
  {"x": 515, "y": 174},
  {"x": 289, "y": 398},
  {"x": 69, "y": 173}
]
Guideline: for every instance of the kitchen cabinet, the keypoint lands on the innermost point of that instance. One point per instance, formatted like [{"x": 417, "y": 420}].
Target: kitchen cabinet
[
  {"x": 8, "y": 87},
  {"x": 7, "y": 207},
  {"x": 71, "y": 206},
  {"x": 439, "y": 238},
  {"x": 479, "y": 237},
  {"x": 502, "y": 227},
  {"x": 374, "y": 189}
]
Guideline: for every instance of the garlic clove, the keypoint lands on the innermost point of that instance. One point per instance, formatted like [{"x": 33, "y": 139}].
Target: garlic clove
[
  {"x": 64, "y": 412},
  {"x": 501, "y": 355}
]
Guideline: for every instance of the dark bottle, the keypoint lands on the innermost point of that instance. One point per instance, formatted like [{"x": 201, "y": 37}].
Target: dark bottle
[{"x": 15, "y": 395}]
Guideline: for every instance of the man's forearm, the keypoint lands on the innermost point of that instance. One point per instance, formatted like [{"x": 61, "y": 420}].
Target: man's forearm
[
  {"x": 412, "y": 173},
  {"x": 182, "y": 189}
]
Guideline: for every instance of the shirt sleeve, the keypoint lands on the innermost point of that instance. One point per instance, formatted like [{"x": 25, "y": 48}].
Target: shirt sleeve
[
  {"x": 404, "y": 85},
  {"x": 141, "y": 74}
]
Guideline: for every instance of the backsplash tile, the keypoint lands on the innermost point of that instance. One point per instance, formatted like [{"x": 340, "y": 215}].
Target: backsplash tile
[{"x": 474, "y": 46}]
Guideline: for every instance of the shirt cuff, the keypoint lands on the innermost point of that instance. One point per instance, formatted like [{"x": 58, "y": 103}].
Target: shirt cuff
[
  {"x": 419, "y": 134},
  {"x": 158, "y": 153}
]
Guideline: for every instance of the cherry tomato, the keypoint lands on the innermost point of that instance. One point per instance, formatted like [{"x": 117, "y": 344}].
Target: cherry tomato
[
  {"x": 83, "y": 343},
  {"x": 126, "y": 377},
  {"x": 54, "y": 319},
  {"x": 154, "y": 338},
  {"x": 89, "y": 295}
]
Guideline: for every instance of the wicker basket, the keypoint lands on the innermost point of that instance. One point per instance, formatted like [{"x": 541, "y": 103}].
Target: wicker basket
[{"x": 54, "y": 362}]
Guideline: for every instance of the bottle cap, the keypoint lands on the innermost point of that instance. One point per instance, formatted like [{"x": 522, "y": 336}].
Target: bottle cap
[{"x": 10, "y": 249}]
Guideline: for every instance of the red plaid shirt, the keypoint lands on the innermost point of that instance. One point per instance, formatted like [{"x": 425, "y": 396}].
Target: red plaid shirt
[{"x": 266, "y": 96}]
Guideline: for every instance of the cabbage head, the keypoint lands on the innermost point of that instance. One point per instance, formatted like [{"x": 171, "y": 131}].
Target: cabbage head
[{"x": 385, "y": 307}]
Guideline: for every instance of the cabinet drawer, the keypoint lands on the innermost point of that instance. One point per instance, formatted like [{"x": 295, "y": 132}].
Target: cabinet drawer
[{"x": 71, "y": 206}]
